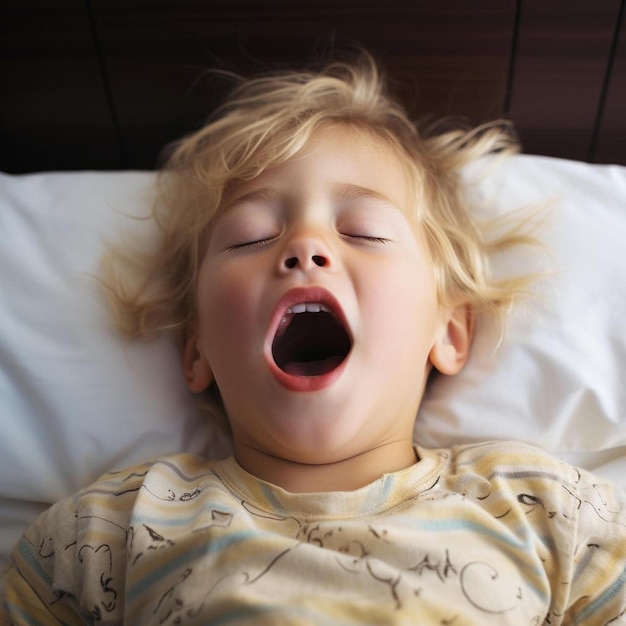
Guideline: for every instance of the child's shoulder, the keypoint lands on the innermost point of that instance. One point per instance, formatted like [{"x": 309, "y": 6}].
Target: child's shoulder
[
  {"x": 512, "y": 460},
  {"x": 186, "y": 462},
  {"x": 520, "y": 468},
  {"x": 170, "y": 478},
  {"x": 187, "y": 466},
  {"x": 505, "y": 452}
]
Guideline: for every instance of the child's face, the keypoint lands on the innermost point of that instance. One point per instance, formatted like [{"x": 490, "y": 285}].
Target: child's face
[{"x": 328, "y": 229}]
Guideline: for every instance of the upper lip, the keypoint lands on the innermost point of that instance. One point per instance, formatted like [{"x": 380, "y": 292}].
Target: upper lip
[{"x": 305, "y": 295}]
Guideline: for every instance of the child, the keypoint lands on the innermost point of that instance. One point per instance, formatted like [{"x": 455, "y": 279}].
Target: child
[{"x": 319, "y": 263}]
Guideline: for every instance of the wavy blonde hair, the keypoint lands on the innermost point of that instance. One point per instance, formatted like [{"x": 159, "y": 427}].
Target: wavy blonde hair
[{"x": 268, "y": 120}]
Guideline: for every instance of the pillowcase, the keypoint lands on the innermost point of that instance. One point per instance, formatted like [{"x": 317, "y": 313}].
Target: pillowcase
[
  {"x": 556, "y": 378},
  {"x": 77, "y": 399}
]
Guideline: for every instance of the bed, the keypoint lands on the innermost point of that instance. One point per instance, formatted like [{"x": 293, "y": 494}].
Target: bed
[{"x": 86, "y": 108}]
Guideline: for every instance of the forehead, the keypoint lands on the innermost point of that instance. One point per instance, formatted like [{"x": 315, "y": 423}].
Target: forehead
[{"x": 348, "y": 161}]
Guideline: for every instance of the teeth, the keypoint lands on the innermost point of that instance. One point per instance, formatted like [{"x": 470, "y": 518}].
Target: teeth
[{"x": 309, "y": 307}]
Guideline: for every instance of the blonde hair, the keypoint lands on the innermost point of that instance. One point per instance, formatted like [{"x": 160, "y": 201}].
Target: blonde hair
[{"x": 268, "y": 120}]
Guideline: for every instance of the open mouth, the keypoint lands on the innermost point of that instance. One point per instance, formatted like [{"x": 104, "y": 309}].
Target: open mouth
[{"x": 310, "y": 341}]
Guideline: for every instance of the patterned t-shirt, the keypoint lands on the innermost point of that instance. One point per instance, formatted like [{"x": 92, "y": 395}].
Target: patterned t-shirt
[{"x": 499, "y": 533}]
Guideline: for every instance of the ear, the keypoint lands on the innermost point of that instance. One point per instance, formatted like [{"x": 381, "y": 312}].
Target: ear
[
  {"x": 451, "y": 349},
  {"x": 198, "y": 374}
]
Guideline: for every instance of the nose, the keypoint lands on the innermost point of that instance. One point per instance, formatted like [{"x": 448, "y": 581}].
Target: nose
[
  {"x": 317, "y": 259},
  {"x": 305, "y": 252}
]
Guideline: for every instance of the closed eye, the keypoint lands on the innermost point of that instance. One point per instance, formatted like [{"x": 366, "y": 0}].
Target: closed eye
[
  {"x": 365, "y": 238},
  {"x": 251, "y": 245}
]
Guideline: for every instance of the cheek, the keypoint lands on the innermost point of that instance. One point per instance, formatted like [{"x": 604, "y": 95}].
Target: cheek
[
  {"x": 405, "y": 312},
  {"x": 226, "y": 318}
]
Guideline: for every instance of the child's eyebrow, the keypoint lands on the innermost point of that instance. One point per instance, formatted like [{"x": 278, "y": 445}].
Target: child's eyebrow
[
  {"x": 340, "y": 192},
  {"x": 350, "y": 191},
  {"x": 263, "y": 194}
]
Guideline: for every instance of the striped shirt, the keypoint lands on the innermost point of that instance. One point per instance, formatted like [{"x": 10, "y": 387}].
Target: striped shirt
[{"x": 499, "y": 533}]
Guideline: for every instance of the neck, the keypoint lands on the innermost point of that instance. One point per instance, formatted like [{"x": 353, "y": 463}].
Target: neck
[{"x": 344, "y": 474}]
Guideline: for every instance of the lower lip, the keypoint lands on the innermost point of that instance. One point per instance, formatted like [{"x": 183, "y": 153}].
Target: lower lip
[{"x": 306, "y": 383}]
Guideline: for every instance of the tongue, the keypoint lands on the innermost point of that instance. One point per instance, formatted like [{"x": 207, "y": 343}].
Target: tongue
[{"x": 312, "y": 368}]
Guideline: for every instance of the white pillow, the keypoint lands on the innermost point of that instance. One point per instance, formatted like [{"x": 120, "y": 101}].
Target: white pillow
[
  {"x": 77, "y": 399},
  {"x": 557, "y": 380}
]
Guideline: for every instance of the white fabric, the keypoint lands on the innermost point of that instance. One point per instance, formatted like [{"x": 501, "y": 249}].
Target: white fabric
[
  {"x": 76, "y": 399},
  {"x": 557, "y": 378}
]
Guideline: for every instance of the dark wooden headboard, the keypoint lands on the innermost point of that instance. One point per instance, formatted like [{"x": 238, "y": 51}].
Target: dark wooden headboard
[{"x": 105, "y": 84}]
